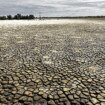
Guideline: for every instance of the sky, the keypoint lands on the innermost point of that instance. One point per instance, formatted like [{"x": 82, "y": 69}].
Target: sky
[{"x": 53, "y": 7}]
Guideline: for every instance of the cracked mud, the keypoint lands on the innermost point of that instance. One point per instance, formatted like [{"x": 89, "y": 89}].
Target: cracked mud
[{"x": 59, "y": 64}]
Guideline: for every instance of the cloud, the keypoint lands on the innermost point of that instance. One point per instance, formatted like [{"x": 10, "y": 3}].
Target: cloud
[{"x": 53, "y": 7}]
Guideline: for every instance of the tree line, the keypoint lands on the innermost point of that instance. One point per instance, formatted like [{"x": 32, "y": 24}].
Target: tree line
[
  {"x": 17, "y": 17},
  {"x": 29, "y": 17}
]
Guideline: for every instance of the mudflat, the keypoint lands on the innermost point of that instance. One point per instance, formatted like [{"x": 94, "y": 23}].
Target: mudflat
[{"x": 52, "y": 62}]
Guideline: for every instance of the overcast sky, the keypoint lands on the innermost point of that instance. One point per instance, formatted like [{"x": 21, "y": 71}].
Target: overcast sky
[{"x": 53, "y": 7}]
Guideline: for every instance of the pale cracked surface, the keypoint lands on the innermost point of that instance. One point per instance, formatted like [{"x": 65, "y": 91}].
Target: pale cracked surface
[{"x": 52, "y": 64}]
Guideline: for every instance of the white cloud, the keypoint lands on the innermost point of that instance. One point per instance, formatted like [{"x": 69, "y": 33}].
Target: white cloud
[{"x": 53, "y": 7}]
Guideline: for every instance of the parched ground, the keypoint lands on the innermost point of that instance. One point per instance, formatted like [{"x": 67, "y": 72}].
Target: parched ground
[{"x": 60, "y": 62}]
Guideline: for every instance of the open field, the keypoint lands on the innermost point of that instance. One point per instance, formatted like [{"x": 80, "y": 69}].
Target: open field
[{"x": 52, "y": 62}]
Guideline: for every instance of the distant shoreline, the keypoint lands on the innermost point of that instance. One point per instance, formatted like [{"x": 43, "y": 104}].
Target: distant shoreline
[{"x": 58, "y": 18}]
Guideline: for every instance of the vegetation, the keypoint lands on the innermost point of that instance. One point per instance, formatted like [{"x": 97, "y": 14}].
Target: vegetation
[
  {"x": 75, "y": 17},
  {"x": 23, "y": 17},
  {"x": 17, "y": 17}
]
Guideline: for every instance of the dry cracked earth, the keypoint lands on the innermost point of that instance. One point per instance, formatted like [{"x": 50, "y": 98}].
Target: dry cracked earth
[{"x": 52, "y": 64}]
